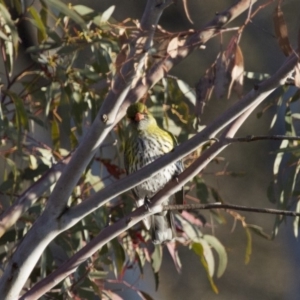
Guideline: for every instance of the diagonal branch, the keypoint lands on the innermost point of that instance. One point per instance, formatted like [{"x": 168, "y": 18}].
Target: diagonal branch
[
  {"x": 131, "y": 219},
  {"x": 245, "y": 105},
  {"x": 192, "y": 42},
  {"x": 48, "y": 224}
]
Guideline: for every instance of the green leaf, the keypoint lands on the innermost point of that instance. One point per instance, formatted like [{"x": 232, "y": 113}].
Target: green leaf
[
  {"x": 279, "y": 157},
  {"x": 10, "y": 23},
  {"x": 64, "y": 9},
  {"x": 202, "y": 190},
  {"x": 156, "y": 258},
  {"x": 191, "y": 231},
  {"x": 119, "y": 257},
  {"x": 216, "y": 195},
  {"x": 248, "y": 246},
  {"x": 208, "y": 255},
  {"x": 41, "y": 48},
  {"x": 95, "y": 181},
  {"x": 83, "y": 10},
  {"x": 156, "y": 280},
  {"x": 7, "y": 184},
  {"x": 55, "y": 134},
  {"x": 98, "y": 274},
  {"x": 259, "y": 231},
  {"x": 42, "y": 33},
  {"x": 220, "y": 249},
  {"x": 187, "y": 91},
  {"x": 44, "y": 13},
  {"x": 107, "y": 14},
  {"x": 22, "y": 117},
  {"x": 97, "y": 289},
  {"x": 296, "y": 116},
  {"x": 199, "y": 250}
]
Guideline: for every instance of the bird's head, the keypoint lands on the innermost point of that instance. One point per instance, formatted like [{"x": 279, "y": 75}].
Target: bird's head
[{"x": 139, "y": 116}]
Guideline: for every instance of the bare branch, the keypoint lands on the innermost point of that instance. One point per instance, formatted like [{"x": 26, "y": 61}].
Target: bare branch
[
  {"x": 219, "y": 205},
  {"x": 76, "y": 213},
  {"x": 251, "y": 138},
  {"x": 48, "y": 224},
  {"x": 57, "y": 217},
  {"x": 192, "y": 42}
]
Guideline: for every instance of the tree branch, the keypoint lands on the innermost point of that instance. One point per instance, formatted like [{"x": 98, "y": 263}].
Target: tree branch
[
  {"x": 252, "y": 138},
  {"x": 245, "y": 106},
  {"x": 73, "y": 215},
  {"x": 48, "y": 224},
  {"x": 46, "y": 228},
  {"x": 219, "y": 205},
  {"x": 190, "y": 43}
]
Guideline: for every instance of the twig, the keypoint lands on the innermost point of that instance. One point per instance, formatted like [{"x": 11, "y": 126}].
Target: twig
[
  {"x": 219, "y": 205},
  {"x": 251, "y": 138}
]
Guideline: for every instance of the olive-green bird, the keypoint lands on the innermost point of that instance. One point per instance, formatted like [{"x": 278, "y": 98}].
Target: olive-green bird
[{"x": 146, "y": 143}]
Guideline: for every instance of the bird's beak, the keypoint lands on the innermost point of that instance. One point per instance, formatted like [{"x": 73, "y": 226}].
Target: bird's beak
[{"x": 138, "y": 117}]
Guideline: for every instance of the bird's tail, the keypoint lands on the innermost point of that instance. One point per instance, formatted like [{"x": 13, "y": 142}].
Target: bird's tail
[
  {"x": 163, "y": 228},
  {"x": 162, "y": 225}
]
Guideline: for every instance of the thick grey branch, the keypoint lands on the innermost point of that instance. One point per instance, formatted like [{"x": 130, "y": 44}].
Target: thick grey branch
[
  {"x": 48, "y": 225},
  {"x": 159, "y": 69},
  {"x": 245, "y": 105},
  {"x": 112, "y": 231}
]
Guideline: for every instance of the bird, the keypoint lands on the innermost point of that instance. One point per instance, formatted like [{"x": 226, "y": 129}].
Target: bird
[{"x": 146, "y": 143}]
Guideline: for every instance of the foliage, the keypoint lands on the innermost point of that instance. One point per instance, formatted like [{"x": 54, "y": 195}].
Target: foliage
[{"x": 75, "y": 58}]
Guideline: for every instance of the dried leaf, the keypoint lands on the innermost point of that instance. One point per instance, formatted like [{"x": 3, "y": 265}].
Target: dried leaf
[
  {"x": 187, "y": 91},
  {"x": 236, "y": 70},
  {"x": 184, "y": 2},
  {"x": 112, "y": 169},
  {"x": 204, "y": 90},
  {"x": 221, "y": 74},
  {"x": 192, "y": 219},
  {"x": 297, "y": 75},
  {"x": 281, "y": 31},
  {"x": 172, "y": 49},
  {"x": 121, "y": 58},
  {"x": 174, "y": 254}
]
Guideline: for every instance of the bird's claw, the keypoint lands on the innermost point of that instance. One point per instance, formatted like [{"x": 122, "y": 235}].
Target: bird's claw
[
  {"x": 147, "y": 204},
  {"x": 176, "y": 178}
]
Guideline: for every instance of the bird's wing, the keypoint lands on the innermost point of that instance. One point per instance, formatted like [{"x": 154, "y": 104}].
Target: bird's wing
[
  {"x": 179, "y": 196},
  {"x": 125, "y": 156}
]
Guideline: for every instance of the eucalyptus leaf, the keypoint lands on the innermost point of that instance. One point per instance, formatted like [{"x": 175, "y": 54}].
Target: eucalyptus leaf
[
  {"x": 220, "y": 249},
  {"x": 67, "y": 11}
]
